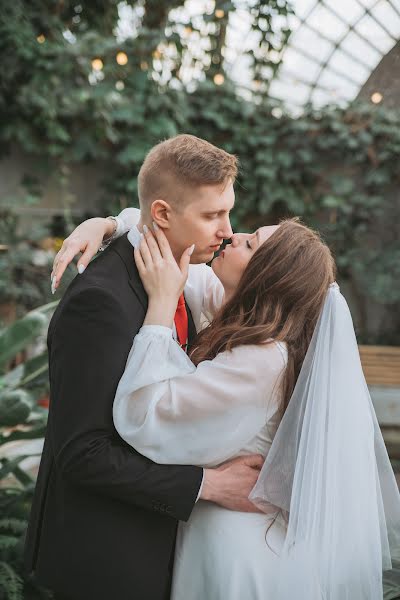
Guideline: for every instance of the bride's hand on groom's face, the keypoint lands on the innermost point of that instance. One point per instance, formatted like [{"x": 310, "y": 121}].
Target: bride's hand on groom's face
[{"x": 162, "y": 277}]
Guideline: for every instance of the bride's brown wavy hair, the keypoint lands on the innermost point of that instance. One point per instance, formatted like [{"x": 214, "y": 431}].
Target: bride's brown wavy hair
[{"x": 280, "y": 296}]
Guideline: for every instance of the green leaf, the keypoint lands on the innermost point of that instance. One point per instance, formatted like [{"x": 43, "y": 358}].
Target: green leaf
[
  {"x": 8, "y": 465},
  {"x": 11, "y": 583},
  {"x": 12, "y": 525},
  {"x": 330, "y": 201},
  {"x": 27, "y": 372},
  {"x": 15, "y": 407},
  {"x": 20, "y": 334}
]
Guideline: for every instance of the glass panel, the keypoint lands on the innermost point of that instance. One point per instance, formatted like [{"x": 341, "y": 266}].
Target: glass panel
[
  {"x": 338, "y": 86},
  {"x": 303, "y": 7},
  {"x": 349, "y": 11},
  {"x": 371, "y": 30},
  {"x": 312, "y": 43},
  {"x": 295, "y": 92},
  {"x": 388, "y": 17},
  {"x": 352, "y": 68},
  {"x": 360, "y": 49},
  {"x": 326, "y": 23},
  {"x": 296, "y": 63},
  {"x": 367, "y": 3}
]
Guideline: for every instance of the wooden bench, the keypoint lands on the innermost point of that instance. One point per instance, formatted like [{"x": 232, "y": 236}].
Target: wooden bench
[{"x": 381, "y": 365}]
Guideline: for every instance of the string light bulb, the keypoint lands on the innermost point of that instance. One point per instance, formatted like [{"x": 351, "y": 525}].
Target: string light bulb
[
  {"x": 41, "y": 39},
  {"x": 219, "y": 13},
  {"x": 97, "y": 64},
  {"x": 121, "y": 58},
  {"x": 219, "y": 79},
  {"x": 376, "y": 97}
]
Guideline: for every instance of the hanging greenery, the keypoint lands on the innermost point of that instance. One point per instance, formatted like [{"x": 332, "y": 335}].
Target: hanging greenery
[{"x": 79, "y": 90}]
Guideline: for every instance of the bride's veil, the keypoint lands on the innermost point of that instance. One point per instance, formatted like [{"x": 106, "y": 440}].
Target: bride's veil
[{"x": 328, "y": 469}]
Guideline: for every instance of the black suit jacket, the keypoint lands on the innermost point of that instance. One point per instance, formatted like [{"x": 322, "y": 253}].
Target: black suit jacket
[{"x": 104, "y": 518}]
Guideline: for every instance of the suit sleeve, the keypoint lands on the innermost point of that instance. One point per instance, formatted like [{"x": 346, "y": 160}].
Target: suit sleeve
[{"x": 87, "y": 359}]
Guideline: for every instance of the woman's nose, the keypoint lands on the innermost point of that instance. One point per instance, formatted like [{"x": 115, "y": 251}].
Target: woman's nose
[{"x": 235, "y": 239}]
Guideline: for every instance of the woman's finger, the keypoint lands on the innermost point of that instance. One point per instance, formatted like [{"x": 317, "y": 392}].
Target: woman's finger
[
  {"x": 55, "y": 261},
  {"x": 185, "y": 260},
  {"x": 59, "y": 267},
  {"x": 145, "y": 252},
  {"x": 152, "y": 244},
  {"x": 86, "y": 257},
  {"x": 162, "y": 241},
  {"x": 64, "y": 259}
]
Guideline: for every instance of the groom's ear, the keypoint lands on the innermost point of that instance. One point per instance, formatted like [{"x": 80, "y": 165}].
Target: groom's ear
[{"x": 161, "y": 213}]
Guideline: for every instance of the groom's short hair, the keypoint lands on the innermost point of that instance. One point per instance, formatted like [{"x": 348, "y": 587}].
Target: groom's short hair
[{"x": 177, "y": 165}]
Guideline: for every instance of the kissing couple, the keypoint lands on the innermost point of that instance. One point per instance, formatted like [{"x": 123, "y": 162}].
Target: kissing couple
[{"x": 210, "y": 432}]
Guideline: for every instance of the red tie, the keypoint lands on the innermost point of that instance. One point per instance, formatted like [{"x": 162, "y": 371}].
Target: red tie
[{"x": 181, "y": 323}]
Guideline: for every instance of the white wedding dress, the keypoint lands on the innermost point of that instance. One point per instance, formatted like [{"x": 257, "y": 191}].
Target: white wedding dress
[{"x": 173, "y": 412}]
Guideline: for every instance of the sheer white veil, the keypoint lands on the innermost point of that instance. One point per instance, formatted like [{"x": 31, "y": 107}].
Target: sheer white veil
[{"x": 328, "y": 469}]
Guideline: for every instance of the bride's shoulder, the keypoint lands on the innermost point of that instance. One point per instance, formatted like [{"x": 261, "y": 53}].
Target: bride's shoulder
[
  {"x": 282, "y": 348},
  {"x": 271, "y": 356}
]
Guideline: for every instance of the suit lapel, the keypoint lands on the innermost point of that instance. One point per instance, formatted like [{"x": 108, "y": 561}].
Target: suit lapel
[
  {"x": 124, "y": 249},
  {"x": 191, "y": 327}
]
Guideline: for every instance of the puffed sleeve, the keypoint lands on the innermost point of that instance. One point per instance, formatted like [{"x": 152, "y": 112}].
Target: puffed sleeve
[{"x": 175, "y": 413}]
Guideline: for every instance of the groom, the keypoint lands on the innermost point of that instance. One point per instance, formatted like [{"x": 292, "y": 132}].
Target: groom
[{"x": 104, "y": 518}]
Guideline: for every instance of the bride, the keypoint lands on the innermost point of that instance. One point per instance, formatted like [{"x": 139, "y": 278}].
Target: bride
[{"x": 277, "y": 372}]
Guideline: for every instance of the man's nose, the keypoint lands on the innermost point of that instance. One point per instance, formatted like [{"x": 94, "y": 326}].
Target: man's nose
[{"x": 226, "y": 231}]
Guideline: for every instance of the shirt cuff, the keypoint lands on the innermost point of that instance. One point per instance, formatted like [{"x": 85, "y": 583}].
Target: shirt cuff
[
  {"x": 201, "y": 487},
  {"x": 157, "y": 329}
]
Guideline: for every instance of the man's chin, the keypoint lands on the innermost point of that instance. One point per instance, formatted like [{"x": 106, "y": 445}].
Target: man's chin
[{"x": 203, "y": 257}]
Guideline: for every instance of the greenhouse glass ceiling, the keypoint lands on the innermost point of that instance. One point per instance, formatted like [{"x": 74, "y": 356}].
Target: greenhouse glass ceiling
[{"x": 334, "y": 47}]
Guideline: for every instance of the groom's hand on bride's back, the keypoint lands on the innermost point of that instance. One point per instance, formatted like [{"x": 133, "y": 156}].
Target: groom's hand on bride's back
[{"x": 230, "y": 484}]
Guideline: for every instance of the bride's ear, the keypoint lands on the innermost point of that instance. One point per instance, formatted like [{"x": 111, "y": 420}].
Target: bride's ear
[{"x": 161, "y": 213}]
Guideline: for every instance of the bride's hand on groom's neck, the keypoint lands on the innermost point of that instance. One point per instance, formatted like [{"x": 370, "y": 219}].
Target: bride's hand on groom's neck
[
  {"x": 162, "y": 277},
  {"x": 230, "y": 484}
]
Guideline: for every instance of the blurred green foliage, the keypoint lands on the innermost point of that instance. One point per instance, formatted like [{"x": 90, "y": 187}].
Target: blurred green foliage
[
  {"x": 25, "y": 265},
  {"x": 23, "y": 382},
  {"x": 337, "y": 168}
]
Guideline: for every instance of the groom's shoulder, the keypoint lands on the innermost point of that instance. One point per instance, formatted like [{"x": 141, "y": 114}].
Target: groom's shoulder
[
  {"x": 105, "y": 280},
  {"x": 108, "y": 271}
]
